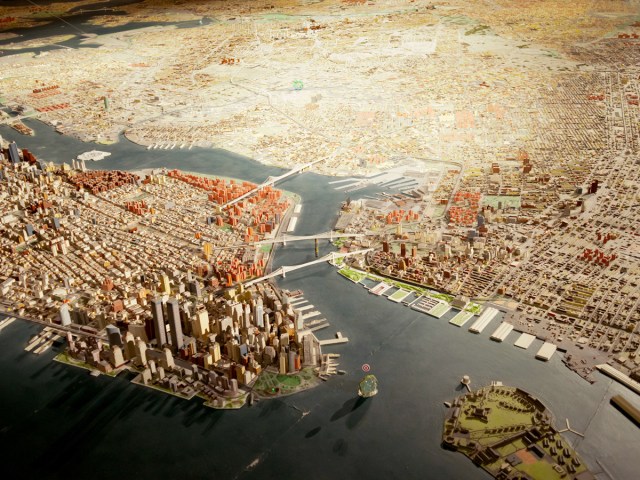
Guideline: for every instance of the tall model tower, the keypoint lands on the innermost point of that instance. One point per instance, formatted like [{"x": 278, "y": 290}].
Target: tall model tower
[
  {"x": 158, "y": 322},
  {"x": 173, "y": 312}
]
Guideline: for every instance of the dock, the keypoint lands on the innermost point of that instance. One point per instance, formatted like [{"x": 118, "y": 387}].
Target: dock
[
  {"x": 424, "y": 304},
  {"x": 292, "y": 224},
  {"x": 461, "y": 318},
  {"x": 483, "y": 320},
  {"x": 399, "y": 295},
  {"x": 6, "y": 322},
  {"x": 439, "y": 310},
  {"x": 319, "y": 327},
  {"x": 624, "y": 406},
  {"x": 317, "y": 321},
  {"x": 525, "y": 340},
  {"x": 315, "y": 313},
  {"x": 619, "y": 377},
  {"x": 42, "y": 341},
  {"x": 501, "y": 332},
  {"x": 304, "y": 308},
  {"x": 334, "y": 341},
  {"x": 380, "y": 288},
  {"x": 546, "y": 351}
]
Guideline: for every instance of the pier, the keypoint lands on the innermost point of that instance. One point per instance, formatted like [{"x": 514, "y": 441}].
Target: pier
[
  {"x": 525, "y": 340},
  {"x": 6, "y": 322},
  {"x": 501, "y": 332},
  {"x": 619, "y": 377},
  {"x": 461, "y": 318},
  {"x": 485, "y": 318},
  {"x": 546, "y": 351},
  {"x": 334, "y": 341}
]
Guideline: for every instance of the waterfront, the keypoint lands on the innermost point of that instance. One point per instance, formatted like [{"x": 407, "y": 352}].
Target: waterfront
[{"x": 80, "y": 424}]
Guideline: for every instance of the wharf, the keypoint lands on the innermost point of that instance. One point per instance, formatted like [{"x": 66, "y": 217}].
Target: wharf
[
  {"x": 315, "y": 313},
  {"x": 334, "y": 341},
  {"x": 461, "y": 318},
  {"x": 314, "y": 322},
  {"x": 6, "y": 322},
  {"x": 304, "y": 308},
  {"x": 525, "y": 340},
  {"x": 626, "y": 408},
  {"x": 319, "y": 327},
  {"x": 485, "y": 318},
  {"x": 501, "y": 332},
  {"x": 439, "y": 310},
  {"x": 380, "y": 288},
  {"x": 546, "y": 351},
  {"x": 399, "y": 296},
  {"x": 292, "y": 224},
  {"x": 620, "y": 377}
]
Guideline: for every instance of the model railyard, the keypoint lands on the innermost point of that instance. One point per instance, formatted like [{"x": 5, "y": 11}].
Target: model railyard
[{"x": 130, "y": 270}]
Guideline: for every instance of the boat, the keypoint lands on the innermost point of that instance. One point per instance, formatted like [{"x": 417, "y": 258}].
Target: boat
[{"x": 368, "y": 386}]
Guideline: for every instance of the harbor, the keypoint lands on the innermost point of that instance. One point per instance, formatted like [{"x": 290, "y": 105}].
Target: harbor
[
  {"x": 375, "y": 324},
  {"x": 421, "y": 301}
]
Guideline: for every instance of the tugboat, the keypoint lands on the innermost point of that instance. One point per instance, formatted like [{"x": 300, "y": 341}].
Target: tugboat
[{"x": 368, "y": 386}]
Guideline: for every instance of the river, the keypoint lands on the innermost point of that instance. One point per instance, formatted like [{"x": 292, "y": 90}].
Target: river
[{"x": 72, "y": 423}]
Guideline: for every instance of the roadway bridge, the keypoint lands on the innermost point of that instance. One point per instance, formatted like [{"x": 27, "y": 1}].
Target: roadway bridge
[
  {"x": 271, "y": 181},
  {"x": 297, "y": 238},
  {"x": 290, "y": 268}
]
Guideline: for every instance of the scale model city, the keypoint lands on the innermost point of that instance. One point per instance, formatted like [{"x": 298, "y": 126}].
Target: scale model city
[
  {"x": 510, "y": 434},
  {"x": 137, "y": 273}
]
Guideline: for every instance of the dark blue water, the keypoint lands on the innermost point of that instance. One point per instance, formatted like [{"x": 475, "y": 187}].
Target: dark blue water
[{"x": 108, "y": 428}]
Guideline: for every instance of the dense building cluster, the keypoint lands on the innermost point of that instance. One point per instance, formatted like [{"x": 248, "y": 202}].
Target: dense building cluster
[{"x": 140, "y": 259}]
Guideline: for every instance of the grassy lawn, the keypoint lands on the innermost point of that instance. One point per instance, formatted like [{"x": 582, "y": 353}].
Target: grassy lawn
[
  {"x": 272, "y": 384},
  {"x": 439, "y": 296},
  {"x": 289, "y": 380},
  {"x": 351, "y": 274},
  {"x": 461, "y": 318},
  {"x": 399, "y": 295},
  {"x": 439, "y": 310},
  {"x": 474, "y": 308}
]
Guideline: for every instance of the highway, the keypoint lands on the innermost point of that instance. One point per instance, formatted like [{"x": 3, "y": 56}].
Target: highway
[{"x": 53, "y": 326}]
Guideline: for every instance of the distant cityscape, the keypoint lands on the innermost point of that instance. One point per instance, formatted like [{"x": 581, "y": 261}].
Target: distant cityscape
[{"x": 476, "y": 164}]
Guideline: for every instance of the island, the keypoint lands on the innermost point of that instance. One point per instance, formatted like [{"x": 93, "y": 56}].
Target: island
[
  {"x": 510, "y": 434},
  {"x": 161, "y": 273}
]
